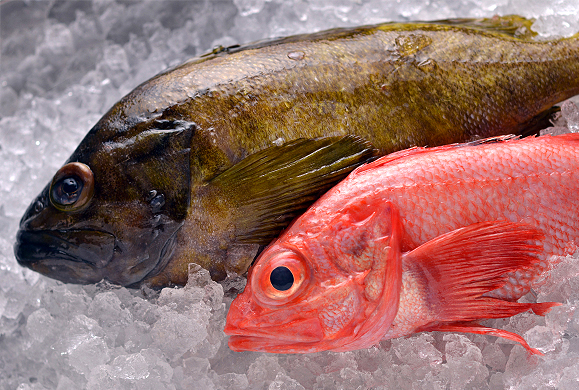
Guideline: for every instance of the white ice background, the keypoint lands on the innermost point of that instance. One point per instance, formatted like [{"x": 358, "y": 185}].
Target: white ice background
[{"x": 63, "y": 64}]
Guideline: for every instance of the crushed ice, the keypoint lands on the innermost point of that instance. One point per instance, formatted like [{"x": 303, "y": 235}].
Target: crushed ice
[{"x": 63, "y": 65}]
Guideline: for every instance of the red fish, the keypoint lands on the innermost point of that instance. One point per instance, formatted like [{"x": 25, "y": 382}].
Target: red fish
[{"x": 427, "y": 239}]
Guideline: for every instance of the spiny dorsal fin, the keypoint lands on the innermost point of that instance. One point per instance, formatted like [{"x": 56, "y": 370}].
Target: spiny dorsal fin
[
  {"x": 510, "y": 25},
  {"x": 273, "y": 186},
  {"x": 417, "y": 150}
]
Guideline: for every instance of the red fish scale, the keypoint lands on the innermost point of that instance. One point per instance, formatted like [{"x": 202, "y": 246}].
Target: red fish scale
[{"x": 531, "y": 181}]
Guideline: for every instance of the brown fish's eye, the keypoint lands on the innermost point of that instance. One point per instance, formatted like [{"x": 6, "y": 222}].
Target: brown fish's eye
[{"x": 72, "y": 187}]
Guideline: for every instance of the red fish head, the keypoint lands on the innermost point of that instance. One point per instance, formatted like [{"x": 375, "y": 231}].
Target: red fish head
[{"x": 303, "y": 295}]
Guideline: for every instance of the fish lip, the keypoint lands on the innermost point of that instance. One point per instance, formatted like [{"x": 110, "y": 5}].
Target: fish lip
[
  {"x": 36, "y": 246},
  {"x": 272, "y": 345},
  {"x": 262, "y": 334}
]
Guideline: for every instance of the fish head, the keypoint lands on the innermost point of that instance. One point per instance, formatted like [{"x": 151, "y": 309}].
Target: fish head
[
  {"x": 331, "y": 286},
  {"x": 112, "y": 211}
]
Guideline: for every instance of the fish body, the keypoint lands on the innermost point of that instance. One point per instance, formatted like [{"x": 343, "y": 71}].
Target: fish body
[
  {"x": 422, "y": 239},
  {"x": 209, "y": 161}
]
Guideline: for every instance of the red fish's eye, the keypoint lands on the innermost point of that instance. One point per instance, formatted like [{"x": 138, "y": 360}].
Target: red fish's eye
[{"x": 279, "y": 277}]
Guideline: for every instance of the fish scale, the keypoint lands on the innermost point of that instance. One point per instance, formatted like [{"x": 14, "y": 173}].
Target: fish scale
[{"x": 483, "y": 181}]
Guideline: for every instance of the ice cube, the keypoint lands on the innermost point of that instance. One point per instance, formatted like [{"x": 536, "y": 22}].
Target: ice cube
[
  {"x": 570, "y": 112},
  {"x": 40, "y": 324},
  {"x": 84, "y": 344},
  {"x": 284, "y": 382}
]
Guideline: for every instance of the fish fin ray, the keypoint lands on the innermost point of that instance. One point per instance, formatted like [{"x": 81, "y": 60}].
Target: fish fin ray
[
  {"x": 461, "y": 266},
  {"x": 465, "y": 327},
  {"x": 512, "y": 26},
  {"x": 273, "y": 186},
  {"x": 418, "y": 150}
]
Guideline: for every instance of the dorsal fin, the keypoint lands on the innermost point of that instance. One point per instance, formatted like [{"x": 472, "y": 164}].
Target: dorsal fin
[
  {"x": 513, "y": 26},
  {"x": 382, "y": 161}
]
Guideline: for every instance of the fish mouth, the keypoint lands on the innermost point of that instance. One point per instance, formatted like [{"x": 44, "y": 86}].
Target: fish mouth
[
  {"x": 298, "y": 336},
  {"x": 272, "y": 345},
  {"x": 66, "y": 255}
]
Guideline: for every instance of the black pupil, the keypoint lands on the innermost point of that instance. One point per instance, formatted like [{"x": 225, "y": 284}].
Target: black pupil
[
  {"x": 69, "y": 185},
  {"x": 67, "y": 190},
  {"x": 281, "y": 278}
]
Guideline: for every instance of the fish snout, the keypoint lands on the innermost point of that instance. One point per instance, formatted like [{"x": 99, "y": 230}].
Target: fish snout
[{"x": 70, "y": 256}]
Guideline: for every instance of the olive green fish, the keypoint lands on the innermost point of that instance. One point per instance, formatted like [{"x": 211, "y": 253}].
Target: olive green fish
[{"x": 207, "y": 162}]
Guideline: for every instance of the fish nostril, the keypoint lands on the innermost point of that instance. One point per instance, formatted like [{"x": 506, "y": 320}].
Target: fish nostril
[{"x": 38, "y": 206}]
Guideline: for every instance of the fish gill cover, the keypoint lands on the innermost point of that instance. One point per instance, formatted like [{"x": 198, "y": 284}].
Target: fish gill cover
[{"x": 63, "y": 64}]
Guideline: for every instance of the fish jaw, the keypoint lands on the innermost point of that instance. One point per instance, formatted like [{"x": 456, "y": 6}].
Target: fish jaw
[{"x": 338, "y": 305}]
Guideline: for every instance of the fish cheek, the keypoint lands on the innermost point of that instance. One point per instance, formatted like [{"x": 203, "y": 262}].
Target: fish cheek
[
  {"x": 140, "y": 236},
  {"x": 339, "y": 313},
  {"x": 206, "y": 238}
]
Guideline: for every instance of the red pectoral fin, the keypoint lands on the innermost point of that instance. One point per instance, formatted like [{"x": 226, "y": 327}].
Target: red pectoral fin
[{"x": 457, "y": 268}]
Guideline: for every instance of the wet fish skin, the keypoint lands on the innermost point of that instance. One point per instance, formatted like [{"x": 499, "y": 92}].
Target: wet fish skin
[
  {"x": 423, "y": 239},
  {"x": 157, "y": 154}
]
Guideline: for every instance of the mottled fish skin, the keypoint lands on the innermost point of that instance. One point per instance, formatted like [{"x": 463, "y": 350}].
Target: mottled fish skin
[
  {"x": 156, "y": 154},
  {"x": 461, "y": 232}
]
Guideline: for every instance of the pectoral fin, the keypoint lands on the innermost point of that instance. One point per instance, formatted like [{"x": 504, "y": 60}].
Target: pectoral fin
[
  {"x": 270, "y": 188},
  {"x": 459, "y": 267}
]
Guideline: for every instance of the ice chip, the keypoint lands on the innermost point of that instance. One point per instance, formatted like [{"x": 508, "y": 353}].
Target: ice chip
[
  {"x": 131, "y": 367},
  {"x": 65, "y": 383},
  {"x": 107, "y": 308},
  {"x": 284, "y": 382},
  {"x": 494, "y": 357},
  {"x": 175, "y": 333},
  {"x": 249, "y": 7},
  {"x": 231, "y": 381},
  {"x": 84, "y": 344},
  {"x": 465, "y": 362},
  {"x": 40, "y": 324},
  {"x": 570, "y": 112},
  {"x": 542, "y": 338},
  {"x": 417, "y": 351},
  {"x": 264, "y": 369}
]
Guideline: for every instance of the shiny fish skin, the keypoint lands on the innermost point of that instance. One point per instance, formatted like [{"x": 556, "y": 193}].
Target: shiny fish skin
[{"x": 460, "y": 231}]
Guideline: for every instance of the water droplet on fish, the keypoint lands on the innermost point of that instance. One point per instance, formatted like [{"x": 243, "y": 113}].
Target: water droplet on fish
[
  {"x": 151, "y": 195},
  {"x": 412, "y": 43},
  {"x": 157, "y": 202},
  {"x": 296, "y": 55}
]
